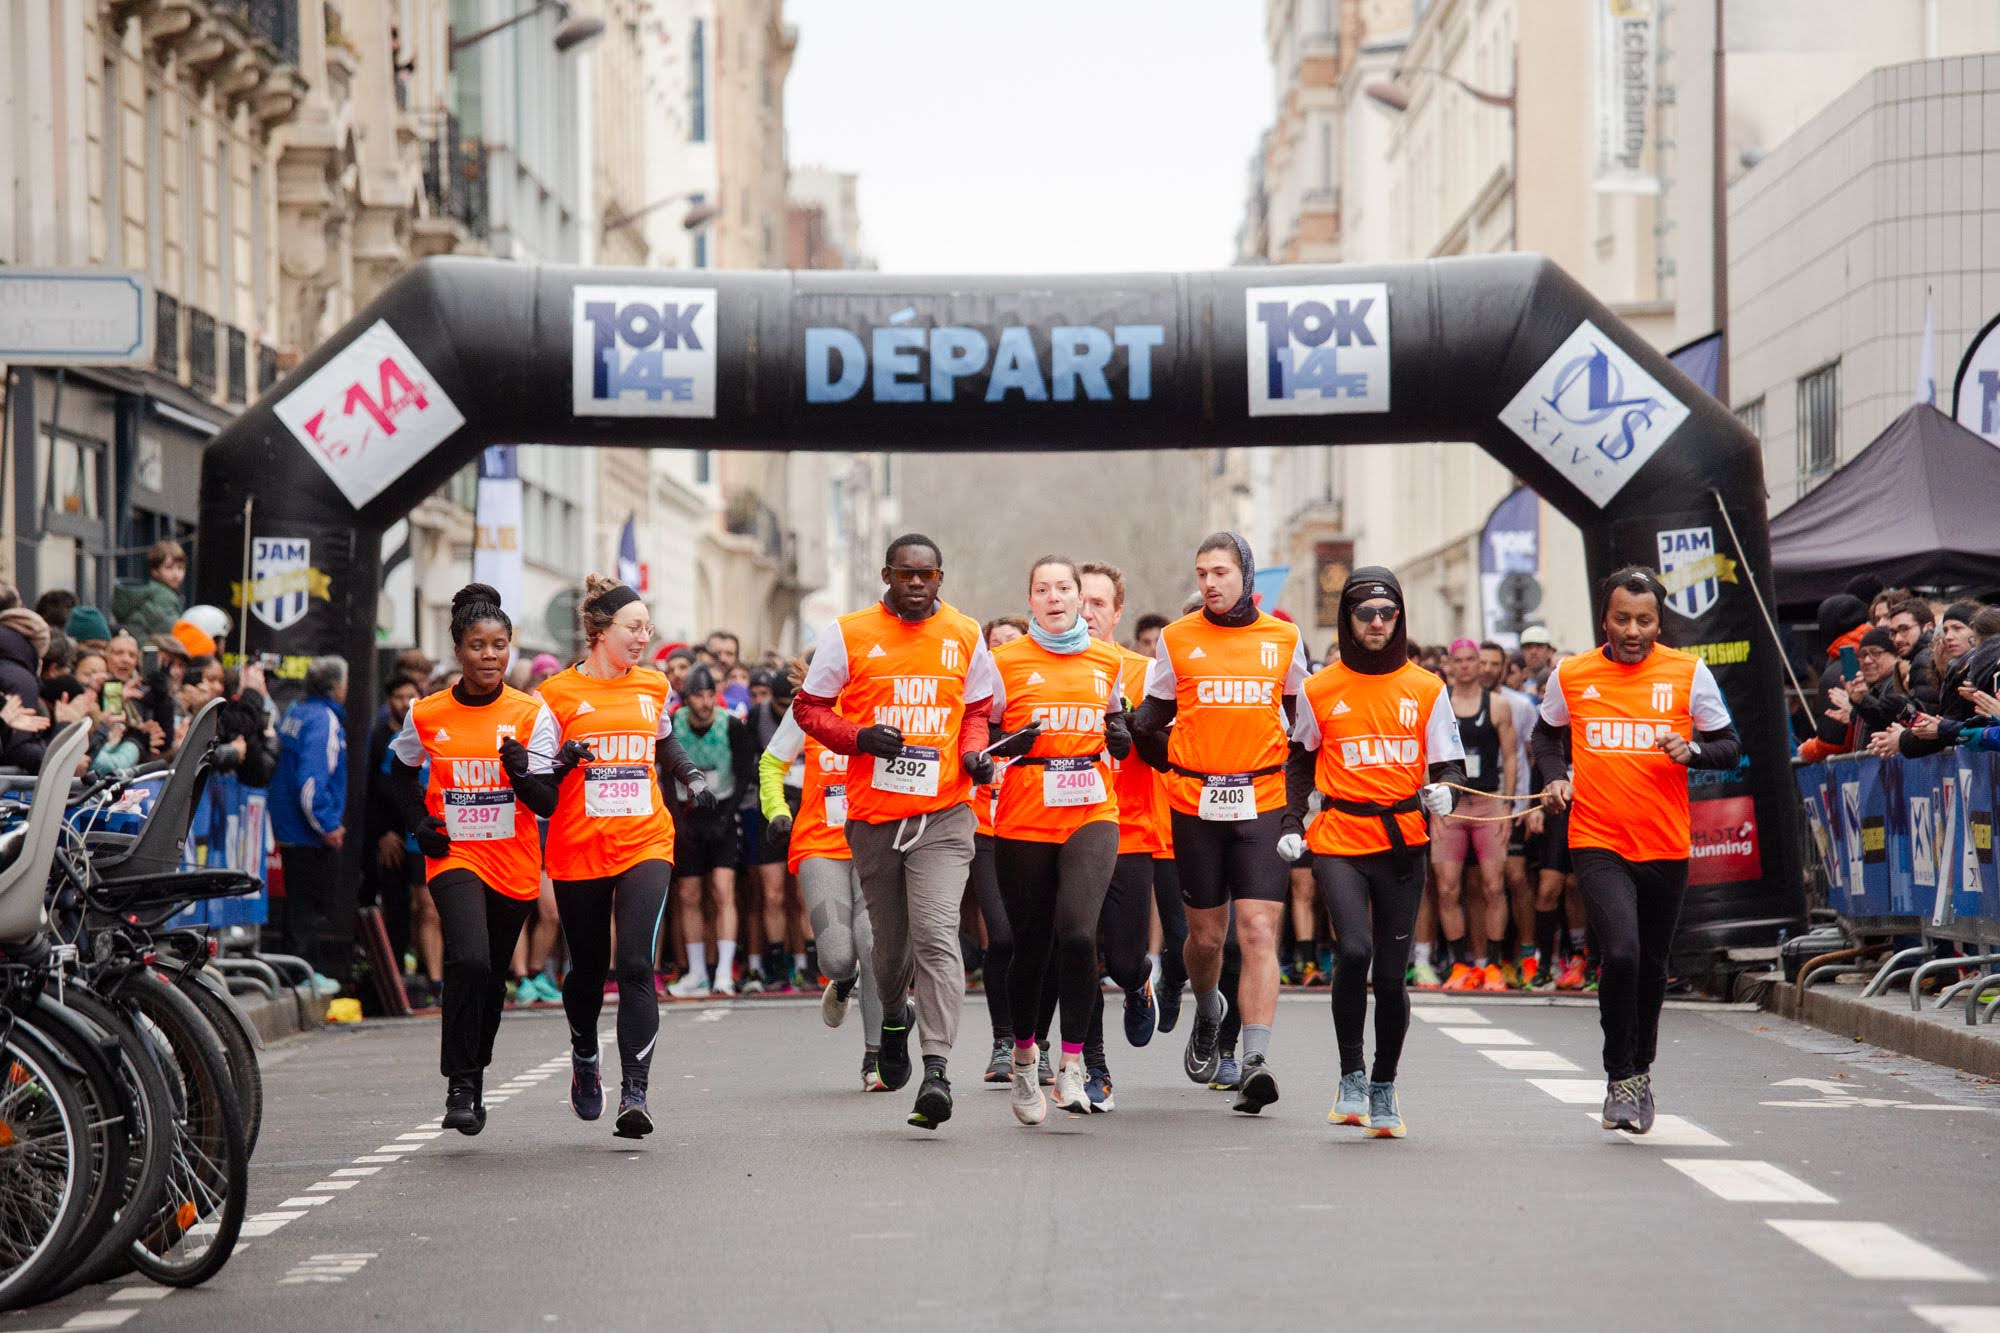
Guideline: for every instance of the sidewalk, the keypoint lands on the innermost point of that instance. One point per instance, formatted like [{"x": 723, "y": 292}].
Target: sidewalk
[
  {"x": 283, "y": 1017},
  {"x": 1940, "y": 1036}
]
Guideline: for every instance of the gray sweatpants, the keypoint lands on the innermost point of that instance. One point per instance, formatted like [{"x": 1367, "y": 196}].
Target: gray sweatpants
[
  {"x": 913, "y": 875},
  {"x": 832, "y": 892}
]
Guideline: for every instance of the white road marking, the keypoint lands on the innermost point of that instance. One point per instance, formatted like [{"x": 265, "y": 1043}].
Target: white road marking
[
  {"x": 1446, "y": 1013},
  {"x": 256, "y": 1228},
  {"x": 422, "y": 1134},
  {"x": 356, "y": 1171},
  {"x": 1485, "y": 1036},
  {"x": 99, "y": 1319},
  {"x": 1960, "y": 1318},
  {"x": 1669, "y": 1131},
  {"x": 147, "y": 1293},
  {"x": 303, "y": 1201},
  {"x": 379, "y": 1156},
  {"x": 1747, "y": 1181},
  {"x": 1873, "y": 1250},
  {"x": 1539, "y": 1061},
  {"x": 1571, "y": 1091},
  {"x": 334, "y": 1185}
]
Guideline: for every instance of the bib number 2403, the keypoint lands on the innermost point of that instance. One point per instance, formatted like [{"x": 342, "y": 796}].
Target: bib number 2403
[{"x": 1228, "y": 798}]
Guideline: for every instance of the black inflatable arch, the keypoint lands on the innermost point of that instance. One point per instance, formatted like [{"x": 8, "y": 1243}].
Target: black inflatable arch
[{"x": 1506, "y": 351}]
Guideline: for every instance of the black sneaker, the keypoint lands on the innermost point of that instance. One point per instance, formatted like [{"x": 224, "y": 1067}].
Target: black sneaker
[
  {"x": 1645, "y": 1121},
  {"x": 461, "y": 1105},
  {"x": 1167, "y": 999},
  {"x": 1621, "y": 1104},
  {"x": 1202, "y": 1057},
  {"x": 586, "y": 1087},
  {"x": 479, "y": 1097},
  {"x": 1258, "y": 1087},
  {"x": 933, "y": 1101},
  {"x": 1142, "y": 1015},
  {"x": 998, "y": 1069},
  {"x": 893, "y": 1060},
  {"x": 634, "y": 1120}
]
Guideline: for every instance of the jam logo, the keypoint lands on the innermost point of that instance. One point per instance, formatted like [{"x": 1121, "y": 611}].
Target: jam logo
[{"x": 1693, "y": 571}]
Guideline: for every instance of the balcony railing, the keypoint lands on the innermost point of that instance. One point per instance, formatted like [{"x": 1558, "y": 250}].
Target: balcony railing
[
  {"x": 239, "y": 365},
  {"x": 167, "y": 336},
  {"x": 267, "y": 368},
  {"x": 277, "y": 22},
  {"x": 455, "y": 174},
  {"x": 201, "y": 351}
]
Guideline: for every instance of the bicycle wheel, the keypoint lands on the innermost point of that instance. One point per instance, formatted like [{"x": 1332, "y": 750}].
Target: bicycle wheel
[
  {"x": 142, "y": 1061},
  {"x": 44, "y": 1162},
  {"x": 220, "y": 1011},
  {"x": 188, "y": 1238}
]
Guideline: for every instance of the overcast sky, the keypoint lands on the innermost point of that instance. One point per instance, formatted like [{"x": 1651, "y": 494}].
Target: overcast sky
[{"x": 1034, "y": 135}]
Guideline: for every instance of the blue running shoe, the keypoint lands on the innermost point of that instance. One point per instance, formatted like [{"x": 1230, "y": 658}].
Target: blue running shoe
[
  {"x": 1167, "y": 999},
  {"x": 1351, "y": 1106},
  {"x": 1228, "y": 1073},
  {"x": 1141, "y": 1015},
  {"x": 634, "y": 1120},
  {"x": 1098, "y": 1088},
  {"x": 586, "y": 1087}
]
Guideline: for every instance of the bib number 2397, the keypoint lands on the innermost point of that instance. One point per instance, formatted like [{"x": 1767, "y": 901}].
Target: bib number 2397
[
  {"x": 478, "y": 816},
  {"x": 1228, "y": 798},
  {"x": 1070, "y": 782},
  {"x": 914, "y": 772},
  {"x": 617, "y": 792}
]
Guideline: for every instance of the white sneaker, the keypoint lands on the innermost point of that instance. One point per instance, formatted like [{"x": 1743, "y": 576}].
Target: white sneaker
[
  {"x": 1070, "y": 1094},
  {"x": 693, "y": 986},
  {"x": 1025, "y": 1095},
  {"x": 724, "y": 986},
  {"x": 834, "y": 1002}
]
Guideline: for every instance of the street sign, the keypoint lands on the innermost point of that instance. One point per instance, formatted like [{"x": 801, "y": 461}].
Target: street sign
[
  {"x": 1519, "y": 594},
  {"x": 76, "y": 317}
]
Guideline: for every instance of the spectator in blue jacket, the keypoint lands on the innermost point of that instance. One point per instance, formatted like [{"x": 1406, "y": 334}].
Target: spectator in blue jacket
[{"x": 308, "y": 803}]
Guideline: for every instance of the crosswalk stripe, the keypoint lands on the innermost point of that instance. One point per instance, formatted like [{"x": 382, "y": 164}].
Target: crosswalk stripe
[
  {"x": 1669, "y": 1131},
  {"x": 1747, "y": 1181},
  {"x": 1485, "y": 1036},
  {"x": 1570, "y": 1091},
  {"x": 1873, "y": 1250},
  {"x": 1525, "y": 1061},
  {"x": 1447, "y": 1013},
  {"x": 1960, "y": 1318}
]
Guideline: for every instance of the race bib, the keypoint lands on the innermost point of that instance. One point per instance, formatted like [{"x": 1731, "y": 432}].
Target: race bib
[
  {"x": 478, "y": 816},
  {"x": 1069, "y": 782},
  {"x": 914, "y": 772},
  {"x": 836, "y": 806},
  {"x": 1471, "y": 765},
  {"x": 1228, "y": 798},
  {"x": 617, "y": 792}
]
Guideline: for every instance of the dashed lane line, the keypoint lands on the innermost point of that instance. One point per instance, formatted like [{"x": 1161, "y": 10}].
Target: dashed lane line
[
  {"x": 1485, "y": 1036},
  {"x": 1524, "y": 1061},
  {"x": 1736, "y": 1181},
  {"x": 1873, "y": 1251},
  {"x": 1960, "y": 1318}
]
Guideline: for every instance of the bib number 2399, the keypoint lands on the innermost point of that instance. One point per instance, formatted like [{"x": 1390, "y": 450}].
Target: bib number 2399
[
  {"x": 1228, "y": 798},
  {"x": 617, "y": 792},
  {"x": 914, "y": 772}
]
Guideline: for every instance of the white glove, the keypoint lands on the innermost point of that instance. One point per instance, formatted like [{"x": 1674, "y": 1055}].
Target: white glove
[
  {"x": 1436, "y": 798},
  {"x": 1291, "y": 846}
]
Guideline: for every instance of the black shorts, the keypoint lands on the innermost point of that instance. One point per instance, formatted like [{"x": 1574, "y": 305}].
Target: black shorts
[
  {"x": 1221, "y": 863},
  {"x": 1555, "y": 842},
  {"x": 703, "y": 843}
]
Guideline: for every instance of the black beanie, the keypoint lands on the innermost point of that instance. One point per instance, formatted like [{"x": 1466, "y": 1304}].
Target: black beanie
[
  {"x": 1364, "y": 583},
  {"x": 1962, "y": 612},
  {"x": 1879, "y": 638},
  {"x": 1839, "y": 614}
]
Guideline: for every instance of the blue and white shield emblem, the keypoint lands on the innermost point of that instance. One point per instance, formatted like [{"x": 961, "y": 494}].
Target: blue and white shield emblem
[
  {"x": 1689, "y": 570},
  {"x": 280, "y": 580}
]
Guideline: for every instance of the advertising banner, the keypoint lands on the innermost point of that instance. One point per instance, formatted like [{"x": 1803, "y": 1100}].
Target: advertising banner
[
  {"x": 496, "y": 542},
  {"x": 1510, "y": 544},
  {"x": 1627, "y": 45},
  {"x": 1976, "y": 391}
]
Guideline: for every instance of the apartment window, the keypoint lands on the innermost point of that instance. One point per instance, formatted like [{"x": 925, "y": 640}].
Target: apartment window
[
  {"x": 156, "y": 188},
  {"x": 225, "y": 234},
  {"x": 111, "y": 140},
  {"x": 698, "y": 83},
  {"x": 704, "y": 466},
  {"x": 1752, "y": 416},
  {"x": 258, "y": 255},
  {"x": 701, "y": 233},
  {"x": 190, "y": 213},
  {"x": 1819, "y": 424}
]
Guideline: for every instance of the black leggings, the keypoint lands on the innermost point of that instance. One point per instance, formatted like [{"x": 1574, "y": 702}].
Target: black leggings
[
  {"x": 481, "y": 926},
  {"x": 1125, "y": 927},
  {"x": 1634, "y": 907},
  {"x": 1374, "y": 911},
  {"x": 999, "y": 936},
  {"x": 1054, "y": 893},
  {"x": 1173, "y": 920},
  {"x": 635, "y": 900}
]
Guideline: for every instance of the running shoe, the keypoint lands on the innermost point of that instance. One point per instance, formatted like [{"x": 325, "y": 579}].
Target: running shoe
[
  {"x": 1141, "y": 1015},
  {"x": 1258, "y": 1086},
  {"x": 634, "y": 1120},
  {"x": 833, "y": 1001},
  {"x": 1385, "y": 1113},
  {"x": 1000, "y": 1068},
  {"x": 752, "y": 985},
  {"x": 1167, "y": 999},
  {"x": 1621, "y": 1104},
  {"x": 1571, "y": 976},
  {"x": 1069, "y": 1087},
  {"x": 894, "y": 1058},
  {"x": 1201, "y": 1058},
  {"x": 871, "y": 1078},
  {"x": 693, "y": 986},
  {"x": 1464, "y": 977},
  {"x": 1043, "y": 1072},
  {"x": 461, "y": 1105},
  {"x": 933, "y": 1106},
  {"x": 551, "y": 992},
  {"x": 659, "y": 986},
  {"x": 586, "y": 1087},
  {"x": 1531, "y": 969},
  {"x": 1350, "y": 1107},
  {"x": 1228, "y": 1074},
  {"x": 1316, "y": 979},
  {"x": 1423, "y": 976},
  {"x": 1097, "y": 1087},
  {"x": 1024, "y": 1097},
  {"x": 1539, "y": 977},
  {"x": 1494, "y": 978},
  {"x": 1645, "y": 1121},
  {"x": 1510, "y": 972},
  {"x": 726, "y": 985}
]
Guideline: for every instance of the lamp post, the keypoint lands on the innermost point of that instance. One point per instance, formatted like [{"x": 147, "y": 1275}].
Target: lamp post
[
  {"x": 697, "y": 217},
  {"x": 1394, "y": 97},
  {"x": 573, "y": 31}
]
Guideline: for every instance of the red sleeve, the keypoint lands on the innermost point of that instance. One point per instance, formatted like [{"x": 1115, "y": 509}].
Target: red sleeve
[
  {"x": 817, "y": 718},
  {"x": 972, "y": 734}
]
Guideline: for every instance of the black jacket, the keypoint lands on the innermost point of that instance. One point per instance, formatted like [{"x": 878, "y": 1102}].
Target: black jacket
[
  {"x": 1979, "y": 668},
  {"x": 1923, "y": 675},
  {"x": 244, "y": 717},
  {"x": 20, "y": 675}
]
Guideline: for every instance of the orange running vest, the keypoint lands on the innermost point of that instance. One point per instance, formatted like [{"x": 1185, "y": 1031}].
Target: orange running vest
[
  {"x": 1141, "y": 804},
  {"x": 1372, "y": 748},
  {"x": 1068, "y": 695},
  {"x": 610, "y": 815},
  {"x": 1630, "y": 798},
  {"x": 912, "y": 677},
  {"x": 493, "y": 834},
  {"x": 1229, "y": 688}
]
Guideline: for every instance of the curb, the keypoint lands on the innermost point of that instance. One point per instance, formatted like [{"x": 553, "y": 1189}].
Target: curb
[
  {"x": 276, "y": 1020},
  {"x": 1943, "y": 1040}
]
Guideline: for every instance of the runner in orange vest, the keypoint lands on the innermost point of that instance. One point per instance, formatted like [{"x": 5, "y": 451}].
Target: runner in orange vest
[
  {"x": 915, "y": 673},
  {"x": 1637, "y": 715},
  {"x": 1377, "y": 737},
  {"x": 611, "y": 842},
  {"x": 992, "y": 912},
  {"x": 1226, "y": 677},
  {"x": 475, "y": 823}
]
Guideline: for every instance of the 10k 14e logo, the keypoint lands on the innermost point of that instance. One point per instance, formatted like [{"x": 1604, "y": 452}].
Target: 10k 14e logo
[
  {"x": 1313, "y": 350},
  {"x": 642, "y": 351}
]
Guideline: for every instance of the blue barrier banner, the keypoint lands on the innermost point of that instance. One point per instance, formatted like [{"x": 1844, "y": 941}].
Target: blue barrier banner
[
  {"x": 1974, "y": 893},
  {"x": 1818, "y": 794},
  {"x": 1896, "y": 783},
  {"x": 1908, "y": 837},
  {"x": 1864, "y": 800}
]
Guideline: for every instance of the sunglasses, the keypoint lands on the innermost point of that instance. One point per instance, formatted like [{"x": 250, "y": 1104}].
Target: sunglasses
[
  {"x": 1369, "y": 615},
  {"x": 915, "y": 575}
]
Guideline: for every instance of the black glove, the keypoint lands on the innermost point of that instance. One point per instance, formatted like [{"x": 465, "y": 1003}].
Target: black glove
[
  {"x": 1152, "y": 748},
  {"x": 514, "y": 757},
  {"x": 1016, "y": 744},
  {"x": 778, "y": 835},
  {"x": 1117, "y": 735},
  {"x": 880, "y": 741},
  {"x": 698, "y": 794},
  {"x": 977, "y": 766},
  {"x": 572, "y": 754},
  {"x": 432, "y": 840}
]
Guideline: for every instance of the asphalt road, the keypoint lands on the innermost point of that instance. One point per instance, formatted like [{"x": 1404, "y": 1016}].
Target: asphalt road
[{"x": 1808, "y": 1183}]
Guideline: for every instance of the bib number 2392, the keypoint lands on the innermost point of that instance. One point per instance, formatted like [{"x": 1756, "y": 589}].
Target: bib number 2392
[
  {"x": 617, "y": 792},
  {"x": 914, "y": 772},
  {"x": 1228, "y": 798},
  {"x": 478, "y": 816},
  {"x": 1071, "y": 782}
]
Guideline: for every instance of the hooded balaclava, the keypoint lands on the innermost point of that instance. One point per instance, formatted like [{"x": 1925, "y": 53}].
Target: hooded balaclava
[
  {"x": 1245, "y": 610},
  {"x": 1362, "y": 584}
]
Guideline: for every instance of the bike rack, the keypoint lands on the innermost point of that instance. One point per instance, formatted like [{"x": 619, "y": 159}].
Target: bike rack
[
  {"x": 1893, "y": 969},
  {"x": 1972, "y": 1001},
  {"x": 1950, "y": 993},
  {"x": 256, "y": 976},
  {"x": 1830, "y": 963},
  {"x": 1943, "y": 965}
]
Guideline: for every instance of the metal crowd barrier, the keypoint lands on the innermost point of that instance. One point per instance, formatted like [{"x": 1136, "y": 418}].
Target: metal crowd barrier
[{"x": 1906, "y": 850}]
